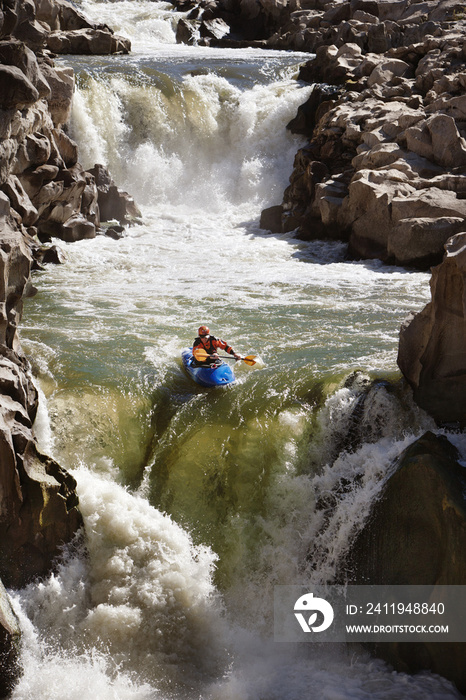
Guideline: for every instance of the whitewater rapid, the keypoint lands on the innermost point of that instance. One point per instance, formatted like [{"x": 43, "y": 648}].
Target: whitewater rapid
[{"x": 196, "y": 504}]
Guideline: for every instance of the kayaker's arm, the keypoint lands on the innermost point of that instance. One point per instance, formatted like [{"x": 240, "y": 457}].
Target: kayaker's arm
[{"x": 224, "y": 346}]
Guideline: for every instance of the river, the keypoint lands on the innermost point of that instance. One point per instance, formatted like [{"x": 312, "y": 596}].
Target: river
[{"x": 197, "y": 503}]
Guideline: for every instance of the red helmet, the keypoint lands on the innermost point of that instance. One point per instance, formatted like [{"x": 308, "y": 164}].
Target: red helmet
[{"x": 203, "y": 330}]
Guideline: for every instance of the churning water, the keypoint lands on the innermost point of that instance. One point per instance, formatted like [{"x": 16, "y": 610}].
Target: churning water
[{"x": 196, "y": 503}]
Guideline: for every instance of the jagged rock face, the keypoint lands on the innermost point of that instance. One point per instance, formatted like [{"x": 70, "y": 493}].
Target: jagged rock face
[
  {"x": 432, "y": 350},
  {"x": 416, "y": 535},
  {"x": 38, "y": 509},
  {"x": 113, "y": 202},
  {"x": 38, "y": 502},
  {"x": 59, "y": 26},
  {"x": 48, "y": 190},
  {"x": 384, "y": 167},
  {"x": 15, "y": 264},
  {"x": 43, "y": 191}
]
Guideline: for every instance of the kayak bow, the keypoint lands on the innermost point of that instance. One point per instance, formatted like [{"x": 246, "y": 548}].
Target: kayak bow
[{"x": 207, "y": 375}]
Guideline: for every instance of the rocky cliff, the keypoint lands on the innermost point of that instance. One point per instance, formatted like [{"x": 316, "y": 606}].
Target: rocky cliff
[
  {"x": 385, "y": 162},
  {"x": 44, "y": 192}
]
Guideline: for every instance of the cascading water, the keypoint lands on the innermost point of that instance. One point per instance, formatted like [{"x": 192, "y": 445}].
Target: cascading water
[{"x": 196, "y": 503}]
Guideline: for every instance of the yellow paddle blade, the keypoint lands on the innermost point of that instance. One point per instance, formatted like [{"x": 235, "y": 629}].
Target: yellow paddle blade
[
  {"x": 249, "y": 360},
  {"x": 200, "y": 354}
]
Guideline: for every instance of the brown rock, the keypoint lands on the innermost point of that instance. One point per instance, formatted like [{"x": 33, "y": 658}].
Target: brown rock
[
  {"x": 87, "y": 41},
  {"x": 271, "y": 219},
  {"x": 432, "y": 350},
  {"x": 15, "y": 53},
  {"x": 33, "y": 151},
  {"x": 73, "y": 228},
  {"x": 38, "y": 506},
  {"x": 20, "y": 201},
  {"x": 113, "y": 202},
  {"x": 420, "y": 242},
  {"x": 416, "y": 535},
  {"x": 438, "y": 139},
  {"x": 61, "y": 82},
  {"x": 16, "y": 90},
  {"x": 15, "y": 264}
]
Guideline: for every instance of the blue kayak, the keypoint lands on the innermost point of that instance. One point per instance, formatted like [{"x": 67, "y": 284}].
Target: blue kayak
[{"x": 213, "y": 375}]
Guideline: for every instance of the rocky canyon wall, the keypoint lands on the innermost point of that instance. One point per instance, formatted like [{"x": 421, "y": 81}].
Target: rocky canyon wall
[{"x": 44, "y": 192}]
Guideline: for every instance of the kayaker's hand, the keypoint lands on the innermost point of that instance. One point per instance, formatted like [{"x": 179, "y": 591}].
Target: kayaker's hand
[
  {"x": 237, "y": 357},
  {"x": 215, "y": 356}
]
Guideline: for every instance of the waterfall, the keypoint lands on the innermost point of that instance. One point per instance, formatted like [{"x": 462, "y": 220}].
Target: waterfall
[{"x": 197, "y": 503}]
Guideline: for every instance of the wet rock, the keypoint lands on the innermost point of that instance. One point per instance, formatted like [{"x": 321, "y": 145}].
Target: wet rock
[
  {"x": 74, "y": 228},
  {"x": 416, "y": 535},
  {"x": 49, "y": 255},
  {"x": 214, "y": 28},
  {"x": 10, "y": 638},
  {"x": 271, "y": 219},
  {"x": 113, "y": 202},
  {"x": 39, "y": 505},
  {"x": 115, "y": 232},
  {"x": 186, "y": 32}
]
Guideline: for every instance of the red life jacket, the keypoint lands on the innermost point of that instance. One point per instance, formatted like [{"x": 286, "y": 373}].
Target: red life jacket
[{"x": 212, "y": 345}]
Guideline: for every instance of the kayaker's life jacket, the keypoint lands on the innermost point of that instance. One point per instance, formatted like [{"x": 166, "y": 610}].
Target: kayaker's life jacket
[{"x": 212, "y": 345}]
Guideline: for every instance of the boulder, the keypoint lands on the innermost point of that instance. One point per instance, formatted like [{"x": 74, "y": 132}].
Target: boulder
[
  {"x": 35, "y": 150},
  {"x": 73, "y": 228},
  {"x": 392, "y": 220},
  {"x": 215, "y": 28},
  {"x": 15, "y": 53},
  {"x": 416, "y": 535},
  {"x": 113, "y": 202},
  {"x": 60, "y": 14},
  {"x": 20, "y": 200},
  {"x": 385, "y": 71},
  {"x": 15, "y": 264},
  {"x": 419, "y": 242},
  {"x": 432, "y": 349},
  {"x": 438, "y": 139},
  {"x": 87, "y": 41},
  {"x": 271, "y": 219},
  {"x": 33, "y": 180},
  {"x": 16, "y": 90},
  {"x": 186, "y": 32}
]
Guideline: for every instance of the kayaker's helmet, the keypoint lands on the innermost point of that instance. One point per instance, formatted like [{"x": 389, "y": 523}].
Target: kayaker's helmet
[{"x": 203, "y": 331}]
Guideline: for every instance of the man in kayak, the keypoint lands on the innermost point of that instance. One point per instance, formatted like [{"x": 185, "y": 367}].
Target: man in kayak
[{"x": 206, "y": 343}]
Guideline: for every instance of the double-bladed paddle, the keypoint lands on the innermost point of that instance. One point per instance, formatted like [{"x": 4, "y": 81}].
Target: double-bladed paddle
[{"x": 201, "y": 355}]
